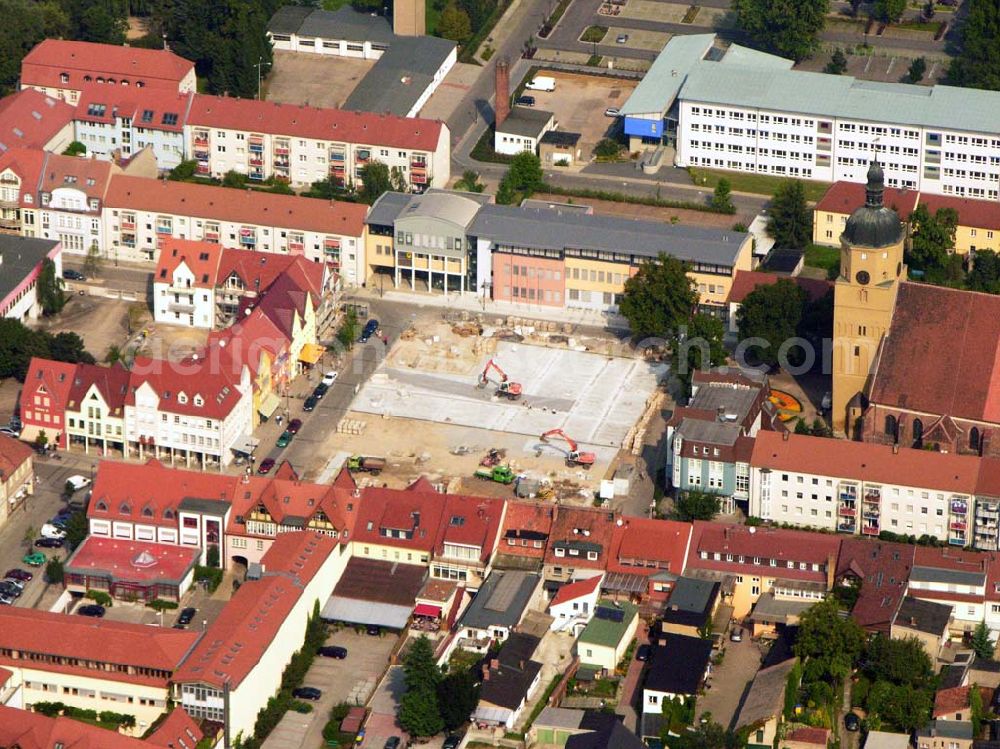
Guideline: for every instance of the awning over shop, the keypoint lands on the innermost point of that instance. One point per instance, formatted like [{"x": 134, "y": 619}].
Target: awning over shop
[
  {"x": 425, "y": 609},
  {"x": 269, "y": 405},
  {"x": 356, "y": 611},
  {"x": 246, "y": 444},
  {"x": 311, "y": 353}
]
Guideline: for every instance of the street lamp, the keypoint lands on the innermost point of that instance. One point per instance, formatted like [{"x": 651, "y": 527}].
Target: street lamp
[{"x": 260, "y": 66}]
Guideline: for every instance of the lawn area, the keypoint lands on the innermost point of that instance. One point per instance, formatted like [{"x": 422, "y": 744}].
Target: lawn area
[
  {"x": 335, "y": 4},
  {"x": 929, "y": 26},
  {"x": 761, "y": 184},
  {"x": 827, "y": 258},
  {"x": 594, "y": 34}
]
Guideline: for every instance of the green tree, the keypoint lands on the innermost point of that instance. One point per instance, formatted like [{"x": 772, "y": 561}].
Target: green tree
[
  {"x": 708, "y": 735},
  {"x": 28, "y": 539},
  {"x": 789, "y": 28},
  {"x": 375, "y": 180},
  {"x": 976, "y": 709},
  {"x": 698, "y": 349},
  {"x": 789, "y": 220},
  {"x": 916, "y": 71},
  {"x": 54, "y": 571},
  {"x": 76, "y": 529},
  {"x": 607, "y": 148},
  {"x": 349, "y": 330},
  {"x": 900, "y": 661},
  {"x": 888, "y": 11},
  {"x": 695, "y": 505},
  {"x": 76, "y": 148},
  {"x": 771, "y": 313},
  {"x": 113, "y": 355},
  {"x": 94, "y": 261},
  {"x": 659, "y": 298},
  {"x": 68, "y": 346},
  {"x": 837, "y": 64},
  {"x": 828, "y": 643},
  {"x": 458, "y": 694},
  {"x": 26, "y": 22},
  {"x": 978, "y": 62},
  {"x": 505, "y": 193},
  {"x": 184, "y": 171},
  {"x": 41, "y": 439},
  {"x": 981, "y": 642},
  {"x": 419, "y": 713},
  {"x": 49, "y": 289},
  {"x": 454, "y": 24},
  {"x": 470, "y": 182},
  {"x": 525, "y": 173},
  {"x": 18, "y": 344},
  {"x": 903, "y": 708},
  {"x": 985, "y": 273},
  {"x": 722, "y": 198},
  {"x": 931, "y": 237},
  {"x": 234, "y": 179}
]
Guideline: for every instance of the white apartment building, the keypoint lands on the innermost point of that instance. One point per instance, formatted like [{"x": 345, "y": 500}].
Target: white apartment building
[
  {"x": 862, "y": 488},
  {"x": 184, "y": 283},
  {"x": 302, "y": 145},
  {"x": 141, "y": 212},
  {"x": 747, "y": 111}
]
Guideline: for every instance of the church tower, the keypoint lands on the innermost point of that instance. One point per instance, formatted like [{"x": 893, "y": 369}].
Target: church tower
[{"x": 871, "y": 267}]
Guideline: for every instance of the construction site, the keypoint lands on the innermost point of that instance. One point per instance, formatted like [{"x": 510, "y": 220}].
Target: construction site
[{"x": 501, "y": 410}]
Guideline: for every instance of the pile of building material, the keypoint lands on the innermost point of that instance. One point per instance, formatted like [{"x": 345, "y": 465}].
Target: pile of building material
[{"x": 351, "y": 426}]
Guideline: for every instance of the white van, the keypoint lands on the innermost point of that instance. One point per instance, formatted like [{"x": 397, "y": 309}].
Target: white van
[
  {"x": 542, "y": 83},
  {"x": 50, "y": 531}
]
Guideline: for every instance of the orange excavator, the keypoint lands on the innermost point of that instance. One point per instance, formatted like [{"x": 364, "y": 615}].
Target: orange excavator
[
  {"x": 574, "y": 457},
  {"x": 509, "y": 390}
]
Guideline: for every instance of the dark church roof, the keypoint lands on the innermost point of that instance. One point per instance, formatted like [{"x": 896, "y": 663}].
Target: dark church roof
[{"x": 873, "y": 225}]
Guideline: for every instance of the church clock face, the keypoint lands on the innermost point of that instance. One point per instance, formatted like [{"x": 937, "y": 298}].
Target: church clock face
[{"x": 862, "y": 277}]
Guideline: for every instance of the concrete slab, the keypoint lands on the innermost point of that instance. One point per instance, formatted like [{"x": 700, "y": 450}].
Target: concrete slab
[
  {"x": 652, "y": 10},
  {"x": 318, "y": 80},
  {"x": 652, "y": 41},
  {"x": 595, "y": 399},
  {"x": 450, "y": 92}
]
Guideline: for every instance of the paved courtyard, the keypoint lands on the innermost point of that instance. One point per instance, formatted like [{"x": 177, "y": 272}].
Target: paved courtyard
[
  {"x": 316, "y": 80},
  {"x": 730, "y": 679},
  {"x": 595, "y": 399}
]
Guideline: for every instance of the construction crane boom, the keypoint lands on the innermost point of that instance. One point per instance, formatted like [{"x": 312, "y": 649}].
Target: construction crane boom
[{"x": 507, "y": 388}]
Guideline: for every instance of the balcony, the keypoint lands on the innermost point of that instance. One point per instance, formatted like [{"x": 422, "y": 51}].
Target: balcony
[
  {"x": 418, "y": 165},
  {"x": 846, "y": 528},
  {"x": 869, "y": 530},
  {"x": 848, "y": 496},
  {"x": 956, "y": 540},
  {"x": 296, "y": 247},
  {"x": 958, "y": 525},
  {"x": 281, "y": 150},
  {"x": 256, "y": 148},
  {"x": 256, "y": 162},
  {"x": 201, "y": 143},
  {"x": 128, "y": 225},
  {"x": 185, "y": 307},
  {"x": 211, "y": 236},
  {"x": 959, "y": 507},
  {"x": 847, "y": 512},
  {"x": 873, "y": 496},
  {"x": 163, "y": 229},
  {"x": 281, "y": 163}
]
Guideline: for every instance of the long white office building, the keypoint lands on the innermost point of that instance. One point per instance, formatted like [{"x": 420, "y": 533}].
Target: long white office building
[{"x": 742, "y": 110}]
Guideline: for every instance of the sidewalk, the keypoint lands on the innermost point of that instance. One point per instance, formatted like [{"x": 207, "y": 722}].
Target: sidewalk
[{"x": 476, "y": 304}]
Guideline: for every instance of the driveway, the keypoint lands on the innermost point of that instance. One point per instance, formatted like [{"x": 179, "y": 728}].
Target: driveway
[
  {"x": 729, "y": 681},
  {"x": 350, "y": 680}
]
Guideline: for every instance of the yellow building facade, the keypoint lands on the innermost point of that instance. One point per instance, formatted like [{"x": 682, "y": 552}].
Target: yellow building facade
[{"x": 871, "y": 267}]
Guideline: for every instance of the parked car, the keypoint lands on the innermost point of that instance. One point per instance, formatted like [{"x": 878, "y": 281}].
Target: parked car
[
  {"x": 319, "y": 391},
  {"x": 736, "y": 635},
  {"x": 333, "y": 651},
  {"x": 6, "y": 600},
  {"x": 612, "y": 112},
  {"x": 329, "y": 378},
  {"x": 622, "y": 39},
  {"x": 307, "y": 693},
  {"x": 369, "y": 330},
  {"x": 49, "y": 530},
  {"x": 452, "y": 741},
  {"x": 392, "y": 742},
  {"x": 10, "y": 431},
  {"x": 265, "y": 466},
  {"x": 642, "y": 653},
  {"x": 852, "y": 722},
  {"x": 374, "y": 631},
  {"x": 284, "y": 439},
  {"x": 18, "y": 574},
  {"x": 34, "y": 559},
  {"x": 78, "y": 482},
  {"x": 310, "y": 403},
  {"x": 187, "y": 615},
  {"x": 73, "y": 275},
  {"x": 294, "y": 426},
  {"x": 48, "y": 543},
  {"x": 9, "y": 589},
  {"x": 91, "y": 609},
  {"x": 19, "y": 584},
  {"x": 525, "y": 101}
]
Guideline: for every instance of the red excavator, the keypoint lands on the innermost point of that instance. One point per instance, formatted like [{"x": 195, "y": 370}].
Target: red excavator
[
  {"x": 574, "y": 457},
  {"x": 509, "y": 390}
]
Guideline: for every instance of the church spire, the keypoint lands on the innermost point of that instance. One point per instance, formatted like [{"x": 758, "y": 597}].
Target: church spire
[{"x": 875, "y": 189}]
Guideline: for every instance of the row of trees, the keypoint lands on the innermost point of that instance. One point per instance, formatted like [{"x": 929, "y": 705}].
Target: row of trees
[
  {"x": 434, "y": 700},
  {"x": 18, "y": 343}
]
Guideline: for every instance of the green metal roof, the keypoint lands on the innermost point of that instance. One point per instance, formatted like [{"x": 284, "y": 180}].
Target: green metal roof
[
  {"x": 752, "y": 58},
  {"x": 658, "y": 88},
  {"x": 606, "y": 632}
]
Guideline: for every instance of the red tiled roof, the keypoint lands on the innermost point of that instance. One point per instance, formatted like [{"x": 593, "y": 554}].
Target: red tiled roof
[
  {"x": 846, "y": 197},
  {"x": 30, "y": 119},
  {"x": 799, "y": 453},
  {"x": 808, "y": 735},
  {"x": 89, "y": 176},
  {"x": 55, "y": 376},
  {"x": 29, "y": 730},
  {"x": 227, "y": 204},
  {"x": 300, "y": 121},
  {"x": 577, "y": 589},
  {"x": 531, "y": 517},
  {"x": 176, "y": 732},
  {"x": 135, "y": 561},
  {"x": 949, "y": 701},
  {"x": 257, "y": 270},
  {"x": 201, "y": 258},
  {"x": 748, "y": 280},
  {"x": 644, "y": 539},
  {"x": 111, "y": 382},
  {"x": 147, "y": 108},
  {"x": 581, "y": 524},
  {"x": 27, "y": 165},
  {"x": 989, "y": 477},
  {"x": 942, "y": 354},
  {"x": 470, "y": 521},
  {"x": 243, "y": 343},
  {"x": 13, "y": 454},
  {"x": 765, "y": 543},
  {"x": 234, "y": 644},
  {"x": 87, "y": 639},
  {"x": 419, "y": 513},
  {"x": 980, "y": 214},
  {"x": 883, "y": 568},
  {"x": 218, "y": 390},
  {"x": 50, "y": 58}
]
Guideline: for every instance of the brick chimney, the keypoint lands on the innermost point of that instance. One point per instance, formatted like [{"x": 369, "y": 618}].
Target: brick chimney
[{"x": 502, "y": 105}]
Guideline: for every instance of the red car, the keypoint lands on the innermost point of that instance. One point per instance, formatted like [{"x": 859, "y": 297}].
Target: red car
[
  {"x": 18, "y": 574},
  {"x": 265, "y": 466},
  {"x": 294, "y": 426}
]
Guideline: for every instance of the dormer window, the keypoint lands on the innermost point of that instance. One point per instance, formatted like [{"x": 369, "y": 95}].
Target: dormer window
[
  {"x": 168, "y": 514},
  {"x": 199, "y": 401},
  {"x": 124, "y": 509},
  {"x": 64, "y": 77},
  {"x": 102, "y": 506},
  {"x": 560, "y": 552},
  {"x": 182, "y": 398},
  {"x": 147, "y": 511}
]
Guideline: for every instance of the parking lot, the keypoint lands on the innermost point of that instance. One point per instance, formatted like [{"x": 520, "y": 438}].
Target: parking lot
[
  {"x": 730, "y": 679},
  {"x": 579, "y": 100},
  {"x": 317, "y": 80},
  {"x": 651, "y": 41},
  {"x": 100, "y": 321},
  {"x": 351, "y": 680}
]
